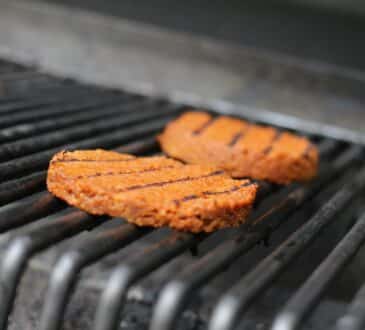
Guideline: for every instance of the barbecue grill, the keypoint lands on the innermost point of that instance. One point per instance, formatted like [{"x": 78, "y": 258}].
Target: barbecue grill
[{"x": 41, "y": 115}]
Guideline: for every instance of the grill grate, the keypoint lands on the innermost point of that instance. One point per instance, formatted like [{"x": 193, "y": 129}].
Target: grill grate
[{"x": 40, "y": 115}]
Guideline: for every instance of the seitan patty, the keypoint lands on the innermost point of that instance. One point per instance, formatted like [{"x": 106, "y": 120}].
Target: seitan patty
[
  {"x": 150, "y": 191},
  {"x": 241, "y": 148}
]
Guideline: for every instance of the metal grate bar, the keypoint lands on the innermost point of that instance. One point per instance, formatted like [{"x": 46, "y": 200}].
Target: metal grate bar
[
  {"x": 29, "y": 116},
  {"x": 52, "y": 100},
  {"x": 18, "y": 188},
  {"x": 327, "y": 147},
  {"x": 25, "y": 130},
  {"x": 64, "y": 275},
  {"x": 26, "y": 89},
  {"x": 21, "y": 248},
  {"x": 126, "y": 274},
  {"x": 142, "y": 146},
  {"x": 10, "y": 67},
  {"x": 19, "y": 82},
  {"x": 229, "y": 309},
  {"x": 265, "y": 189},
  {"x": 307, "y": 297},
  {"x": 28, "y": 75},
  {"x": 77, "y": 117},
  {"x": 354, "y": 319},
  {"x": 24, "y": 85},
  {"x": 14, "y": 105},
  {"x": 36, "y": 98},
  {"x": 109, "y": 123},
  {"x": 24, "y": 165},
  {"x": 197, "y": 274},
  {"x": 27, "y": 209}
]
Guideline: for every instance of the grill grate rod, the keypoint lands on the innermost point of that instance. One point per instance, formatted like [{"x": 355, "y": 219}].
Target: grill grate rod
[
  {"x": 59, "y": 97},
  {"x": 197, "y": 274},
  {"x": 26, "y": 164},
  {"x": 10, "y": 104},
  {"x": 81, "y": 116},
  {"x": 23, "y": 86},
  {"x": 307, "y": 297},
  {"x": 230, "y": 307},
  {"x": 146, "y": 145},
  {"x": 114, "y": 117},
  {"x": 69, "y": 265},
  {"x": 53, "y": 102},
  {"x": 18, "y": 188},
  {"x": 354, "y": 319},
  {"x": 31, "y": 78},
  {"x": 22, "y": 247},
  {"x": 25, "y": 130},
  {"x": 27, "y": 75},
  {"x": 6, "y": 67},
  {"x": 27, "y": 209},
  {"x": 29, "y": 116},
  {"x": 22, "y": 91},
  {"x": 140, "y": 265}
]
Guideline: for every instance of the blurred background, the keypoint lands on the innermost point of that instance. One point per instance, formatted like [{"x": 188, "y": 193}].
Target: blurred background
[
  {"x": 327, "y": 30},
  {"x": 303, "y": 58}
]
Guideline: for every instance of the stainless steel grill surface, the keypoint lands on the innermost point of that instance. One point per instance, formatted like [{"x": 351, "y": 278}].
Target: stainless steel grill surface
[{"x": 40, "y": 115}]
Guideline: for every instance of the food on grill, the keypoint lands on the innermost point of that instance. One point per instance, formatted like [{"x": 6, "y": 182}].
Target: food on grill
[
  {"x": 241, "y": 148},
  {"x": 150, "y": 191}
]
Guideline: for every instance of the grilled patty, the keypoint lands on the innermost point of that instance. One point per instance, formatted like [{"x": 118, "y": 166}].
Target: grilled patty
[
  {"x": 150, "y": 191},
  {"x": 241, "y": 148}
]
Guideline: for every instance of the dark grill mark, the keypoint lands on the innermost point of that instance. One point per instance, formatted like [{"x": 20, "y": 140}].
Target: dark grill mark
[
  {"x": 236, "y": 137},
  {"x": 189, "y": 197},
  {"x": 164, "y": 183},
  {"x": 275, "y": 138},
  {"x": 213, "y": 193},
  {"x": 201, "y": 129},
  {"x": 123, "y": 173}
]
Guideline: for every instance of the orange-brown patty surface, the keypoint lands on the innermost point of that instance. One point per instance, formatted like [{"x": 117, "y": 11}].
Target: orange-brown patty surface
[
  {"x": 240, "y": 148},
  {"x": 150, "y": 191}
]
